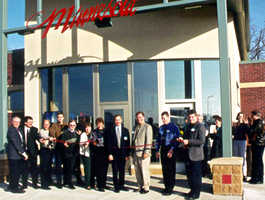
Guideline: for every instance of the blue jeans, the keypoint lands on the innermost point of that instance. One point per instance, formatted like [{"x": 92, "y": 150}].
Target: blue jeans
[{"x": 239, "y": 150}]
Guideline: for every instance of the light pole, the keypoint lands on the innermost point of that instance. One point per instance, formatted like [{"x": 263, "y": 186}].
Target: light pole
[{"x": 208, "y": 98}]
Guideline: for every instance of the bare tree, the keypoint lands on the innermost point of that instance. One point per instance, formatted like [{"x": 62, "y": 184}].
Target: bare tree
[{"x": 257, "y": 43}]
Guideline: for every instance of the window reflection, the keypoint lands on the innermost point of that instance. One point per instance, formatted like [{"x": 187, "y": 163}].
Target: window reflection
[
  {"x": 51, "y": 89},
  {"x": 211, "y": 87},
  {"x": 179, "y": 79},
  {"x": 113, "y": 82},
  {"x": 16, "y": 101},
  {"x": 145, "y": 90},
  {"x": 80, "y": 91}
]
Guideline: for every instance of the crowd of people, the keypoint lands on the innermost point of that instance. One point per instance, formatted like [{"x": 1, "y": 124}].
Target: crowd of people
[{"x": 65, "y": 146}]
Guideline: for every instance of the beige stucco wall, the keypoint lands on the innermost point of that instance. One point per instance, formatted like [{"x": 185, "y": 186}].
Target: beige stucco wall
[{"x": 172, "y": 33}]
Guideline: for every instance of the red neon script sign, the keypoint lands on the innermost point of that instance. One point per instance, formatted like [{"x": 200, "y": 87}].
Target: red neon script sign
[{"x": 122, "y": 8}]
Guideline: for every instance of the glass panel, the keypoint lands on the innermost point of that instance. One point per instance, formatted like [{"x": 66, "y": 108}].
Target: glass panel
[
  {"x": 16, "y": 101},
  {"x": 44, "y": 91},
  {"x": 178, "y": 116},
  {"x": 179, "y": 79},
  {"x": 145, "y": 95},
  {"x": 113, "y": 82},
  {"x": 80, "y": 91},
  {"x": 145, "y": 90},
  {"x": 51, "y": 89},
  {"x": 57, "y": 91},
  {"x": 109, "y": 116},
  {"x": 211, "y": 88}
]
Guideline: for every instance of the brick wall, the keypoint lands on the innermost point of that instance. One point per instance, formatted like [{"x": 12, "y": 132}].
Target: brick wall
[
  {"x": 16, "y": 67},
  {"x": 252, "y": 97},
  {"x": 9, "y": 69},
  {"x": 15, "y": 74},
  {"x": 254, "y": 72}
]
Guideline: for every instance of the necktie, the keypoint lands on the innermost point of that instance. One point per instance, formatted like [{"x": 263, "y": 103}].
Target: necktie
[{"x": 118, "y": 136}]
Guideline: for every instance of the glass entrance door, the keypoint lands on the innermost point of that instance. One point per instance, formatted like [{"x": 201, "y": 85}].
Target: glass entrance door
[
  {"x": 179, "y": 112},
  {"x": 109, "y": 111}
]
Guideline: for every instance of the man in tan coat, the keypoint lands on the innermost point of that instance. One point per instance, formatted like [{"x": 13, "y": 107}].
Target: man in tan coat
[{"x": 142, "y": 145}]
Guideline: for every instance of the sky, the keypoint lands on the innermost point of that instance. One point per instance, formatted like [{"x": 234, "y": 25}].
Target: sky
[{"x": 256, "y": 12}]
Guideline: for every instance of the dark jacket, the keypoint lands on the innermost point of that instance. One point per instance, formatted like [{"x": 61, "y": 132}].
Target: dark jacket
[
  {"x": 217, "y": 148},
  {"x": 32, "y": 137},
  {"x": 196, "y": 137},
  {"x": 71, "y": 138},
  {"x": 124, "y": 143},
  {"x": 15, "y": 147},
  {"x": 257, "y": 132}
]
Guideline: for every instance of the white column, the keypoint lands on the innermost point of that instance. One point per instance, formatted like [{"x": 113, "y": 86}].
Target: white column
[
  {"x": 198, "y": 85},
  {"x": 96, "y": 106},
  {"x": 161, "y": 89}
]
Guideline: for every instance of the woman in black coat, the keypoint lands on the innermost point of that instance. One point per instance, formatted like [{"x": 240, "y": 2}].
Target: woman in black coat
[
  {"x": 217, "y": 147},
  {"x": 99, "y": 156}
]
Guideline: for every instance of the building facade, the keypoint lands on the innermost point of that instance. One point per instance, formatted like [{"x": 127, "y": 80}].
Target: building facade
[
  {"x": 252, "y": 86},
  {"x": 15, "y": 83},
  {"x": 166, "y": 59}
]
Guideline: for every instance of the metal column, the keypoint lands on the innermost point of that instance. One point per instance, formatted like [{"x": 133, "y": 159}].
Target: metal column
[
  {"x": 3, "y": 73},
  {"x": 225, "y": 80},
  {"x": 39, "y": 10}
]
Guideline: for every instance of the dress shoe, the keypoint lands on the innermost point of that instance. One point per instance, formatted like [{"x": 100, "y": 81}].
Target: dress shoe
[
  {"x": 189, "y": 194},
  {"x": 80, "y": 183},
  {"x": 18, "y": 191},
  {"x": 35, "y": 186},
  {"x": 70, "y": 186},
  {"x": 256, "y": 182},
  {"x": 24, "y": 187},
  {"x": 167, "y": 193},
  {"x": 93, "y": 187},
  {"x": 193, "y": 197},
  {"x": 59, "y": 186},
  {"x": 143, "y": 191},
  {"x": 51, "y": 183},
  {"x": 252, "y": 181},
  {"x": 116, "y": 190},
  {"x": 45, "y": 188},
  {"x": 101, "y": 189},
  {"x": 107, "y": 187},
  {"x": 124, "y": 189}
]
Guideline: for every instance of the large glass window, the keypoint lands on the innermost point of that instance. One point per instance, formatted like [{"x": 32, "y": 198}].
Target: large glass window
[
  {"x": 51, "y": 89},
  {"x": 80, "y": 91},
  {"x": 145, "y": 90},
  {"x": 113, "y": 82},
  {"x": 179, "y": 79},
  {"x": 211, "y": 87},
  {"x": 16, "y": 101}
]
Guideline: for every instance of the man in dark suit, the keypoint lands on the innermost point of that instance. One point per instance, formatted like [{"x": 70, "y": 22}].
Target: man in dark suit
[
  {"x": 119, "y": 149},
  {"x": 31, "y": 137},
  {"x": 16, "y": 155},
  {"x": 193, "y": 141}
]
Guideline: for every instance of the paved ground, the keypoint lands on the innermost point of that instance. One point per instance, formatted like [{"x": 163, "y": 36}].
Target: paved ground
[{"x": 255, "y": 192}]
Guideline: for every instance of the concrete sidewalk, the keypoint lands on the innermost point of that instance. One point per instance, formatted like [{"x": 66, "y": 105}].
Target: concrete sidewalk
[{"x": 254, "y": 192}]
